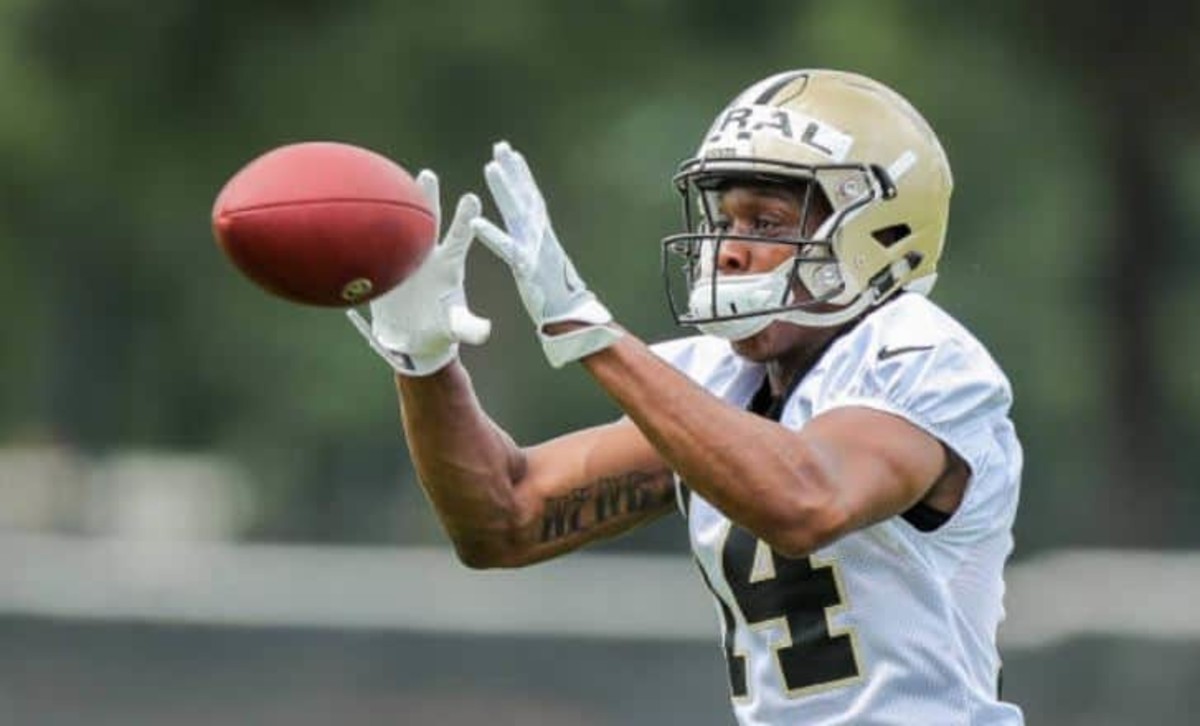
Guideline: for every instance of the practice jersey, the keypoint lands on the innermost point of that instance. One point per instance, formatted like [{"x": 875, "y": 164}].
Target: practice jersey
[{"x": 889, "y": 624}]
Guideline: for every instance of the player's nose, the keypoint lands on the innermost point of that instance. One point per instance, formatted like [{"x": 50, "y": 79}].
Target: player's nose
[{"x": 733, "y": 256}]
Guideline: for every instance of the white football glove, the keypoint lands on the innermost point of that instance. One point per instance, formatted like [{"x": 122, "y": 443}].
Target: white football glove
[
  {"x": 549, "y": 286},
  {"x": 417, "y": 326}
]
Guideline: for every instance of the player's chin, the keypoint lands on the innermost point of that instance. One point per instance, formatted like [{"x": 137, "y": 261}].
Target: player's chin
[
  {"x": 778, "y": 339},
  {"x": 760, "y": 347}
]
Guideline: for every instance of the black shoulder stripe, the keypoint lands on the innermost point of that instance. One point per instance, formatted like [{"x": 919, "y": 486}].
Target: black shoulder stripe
[{"x": 924, "y": 517}]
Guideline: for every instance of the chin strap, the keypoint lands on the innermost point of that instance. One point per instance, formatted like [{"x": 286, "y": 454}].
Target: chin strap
[
  {"x": 833, "y": 318},
  {"x": 880, "y": 287}
]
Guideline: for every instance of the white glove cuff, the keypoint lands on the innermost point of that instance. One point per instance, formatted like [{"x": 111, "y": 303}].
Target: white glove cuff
[
  {"x": 422, "y": 365},
  {"x": 590, "y": 310},
  {"x": 403, "y": 363},
  {"x": 571, "y": 346}
]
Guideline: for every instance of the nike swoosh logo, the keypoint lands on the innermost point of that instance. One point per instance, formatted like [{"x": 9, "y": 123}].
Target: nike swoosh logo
[{"x": 885, "y": 352}]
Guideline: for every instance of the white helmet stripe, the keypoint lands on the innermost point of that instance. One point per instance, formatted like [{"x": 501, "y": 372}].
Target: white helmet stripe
[{"x": 902, "y": 165}]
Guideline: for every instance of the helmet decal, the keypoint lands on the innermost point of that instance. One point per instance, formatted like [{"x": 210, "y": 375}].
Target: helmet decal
[{"x": 737, "y": 126}]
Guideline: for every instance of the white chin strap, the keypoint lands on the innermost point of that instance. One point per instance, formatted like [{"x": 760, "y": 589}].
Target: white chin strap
[
  {"x": 746, "y": 293},
  {"x": 740, "y": 294},
  {"x": 742, "y": 328}
]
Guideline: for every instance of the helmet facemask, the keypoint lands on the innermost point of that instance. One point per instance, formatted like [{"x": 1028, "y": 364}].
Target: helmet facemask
[{"x": 807, "y": 288}]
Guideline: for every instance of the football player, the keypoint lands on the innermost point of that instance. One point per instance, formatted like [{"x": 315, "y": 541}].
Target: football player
[{"x": 840, "y": 445}]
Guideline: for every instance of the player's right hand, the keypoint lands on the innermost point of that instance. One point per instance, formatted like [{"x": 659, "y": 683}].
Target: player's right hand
[
  {"x": 546, "y": 279},
  {"x": 417, "y": 326}
]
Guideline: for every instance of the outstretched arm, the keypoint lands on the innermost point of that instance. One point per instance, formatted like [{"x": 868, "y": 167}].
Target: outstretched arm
[
  {"x": 797, "y": 490},
  {"x": 501, "y": 505},
  {"x": 504, "y": 506}
]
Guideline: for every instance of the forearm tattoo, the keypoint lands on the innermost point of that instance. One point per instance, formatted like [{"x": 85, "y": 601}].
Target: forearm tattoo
[{"x": 602, "y": 500}]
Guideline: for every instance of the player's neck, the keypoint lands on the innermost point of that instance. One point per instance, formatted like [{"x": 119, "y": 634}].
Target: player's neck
[{"x": 785, "y": 371}]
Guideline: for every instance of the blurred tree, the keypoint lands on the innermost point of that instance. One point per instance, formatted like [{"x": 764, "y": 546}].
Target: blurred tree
[{"x": 1135, "y": 66}]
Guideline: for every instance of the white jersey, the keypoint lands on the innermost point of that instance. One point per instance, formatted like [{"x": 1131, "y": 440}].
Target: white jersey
[{"x": 889, "y": 624}]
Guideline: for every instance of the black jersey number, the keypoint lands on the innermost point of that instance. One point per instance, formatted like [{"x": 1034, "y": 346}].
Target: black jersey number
[{"x": 797, "y": 594}]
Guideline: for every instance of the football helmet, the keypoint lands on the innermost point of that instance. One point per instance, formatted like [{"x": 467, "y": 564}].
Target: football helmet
[{"x": 859, "y": 157}]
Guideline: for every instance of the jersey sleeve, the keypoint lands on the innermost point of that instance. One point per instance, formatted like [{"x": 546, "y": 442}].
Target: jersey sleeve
[
  {"x": 940, "y": 388},
  {"x": 677, "y": 352},
  {"x": 706, "y": 360},
  {"x": 944, "y": 382}
]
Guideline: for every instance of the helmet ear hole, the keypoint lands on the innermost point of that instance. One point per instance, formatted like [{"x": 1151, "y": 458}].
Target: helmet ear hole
[{"x": 888, "y": 236}]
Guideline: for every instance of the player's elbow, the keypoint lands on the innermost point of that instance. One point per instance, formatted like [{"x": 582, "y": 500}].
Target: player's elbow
[
  {"x": 809, "y": 520},
  {"x": 496, "y": 550},
  {"x": 804, "y": 534},
  {"x": 478, "y": 555},
  {"x": 502, "y": 543}
]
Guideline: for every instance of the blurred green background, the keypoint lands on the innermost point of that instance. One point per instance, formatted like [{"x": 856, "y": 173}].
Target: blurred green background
[{"x": 1073, "y": 129}]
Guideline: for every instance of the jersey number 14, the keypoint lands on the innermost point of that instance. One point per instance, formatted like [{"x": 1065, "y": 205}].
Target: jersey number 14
[{"x": 792, "y": 593}]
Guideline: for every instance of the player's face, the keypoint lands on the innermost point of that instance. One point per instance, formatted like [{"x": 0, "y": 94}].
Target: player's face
[
  {"x": 762, "y": 211},
  {"x": 768, "y": 211}
]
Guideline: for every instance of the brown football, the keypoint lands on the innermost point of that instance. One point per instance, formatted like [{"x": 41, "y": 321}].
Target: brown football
[{"x": 324, "y": 223}]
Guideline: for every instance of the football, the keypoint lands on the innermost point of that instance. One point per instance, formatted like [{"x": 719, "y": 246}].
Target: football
[{"x": 324, "y": 223}]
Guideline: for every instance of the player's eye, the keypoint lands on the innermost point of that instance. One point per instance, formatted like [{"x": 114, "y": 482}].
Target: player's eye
[{"x": 771, "y": 226}]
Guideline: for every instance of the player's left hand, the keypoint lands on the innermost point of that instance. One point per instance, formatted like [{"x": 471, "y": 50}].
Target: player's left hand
[{"x": 549, "y": 286}]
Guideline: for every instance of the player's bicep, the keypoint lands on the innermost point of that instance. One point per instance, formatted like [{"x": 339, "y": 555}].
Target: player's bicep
[
  {"x": 587, "y": 486},
  {"x": 877, "y": 464}
]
